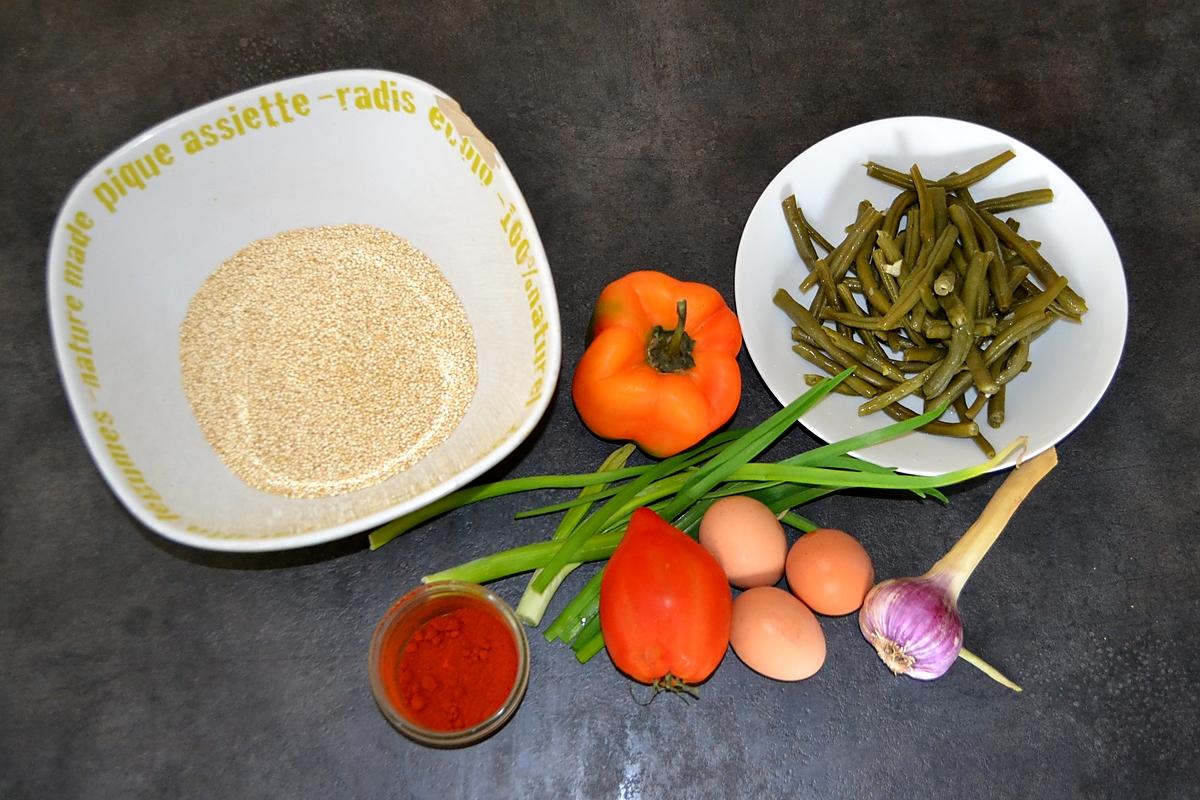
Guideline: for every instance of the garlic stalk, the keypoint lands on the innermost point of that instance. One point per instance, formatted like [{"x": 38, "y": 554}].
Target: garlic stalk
[{"x": 913, "y": 623}]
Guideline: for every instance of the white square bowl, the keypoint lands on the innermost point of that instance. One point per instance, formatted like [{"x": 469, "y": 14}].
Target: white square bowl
[{"x": 141, "y": 231}]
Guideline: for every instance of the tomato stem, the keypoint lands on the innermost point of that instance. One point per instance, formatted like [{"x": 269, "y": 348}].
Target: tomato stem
[{"x": 669, "y": 683}]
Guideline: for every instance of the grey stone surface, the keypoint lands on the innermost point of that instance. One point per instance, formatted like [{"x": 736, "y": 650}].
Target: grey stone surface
[{"x": 641, "y": 135}]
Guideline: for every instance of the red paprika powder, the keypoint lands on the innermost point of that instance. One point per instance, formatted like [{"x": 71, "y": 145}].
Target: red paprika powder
[{"x": 455, "y": 670}]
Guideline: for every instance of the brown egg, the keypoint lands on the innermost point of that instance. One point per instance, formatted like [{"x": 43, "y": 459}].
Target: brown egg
[
  {"x": 746, "y": 539},
  {"x": 775, "y": 635},
  {"x": 830, "y": 571}
]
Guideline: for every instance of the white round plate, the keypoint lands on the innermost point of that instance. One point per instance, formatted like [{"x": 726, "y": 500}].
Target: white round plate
[{"x": 1072, "y": 364}]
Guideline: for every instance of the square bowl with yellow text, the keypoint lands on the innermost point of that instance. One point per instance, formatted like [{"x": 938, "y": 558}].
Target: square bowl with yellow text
[{"x": 141, "y": 232}]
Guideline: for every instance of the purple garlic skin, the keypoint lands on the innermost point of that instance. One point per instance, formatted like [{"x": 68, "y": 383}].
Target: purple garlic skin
[{"x": 914, "y": 626}]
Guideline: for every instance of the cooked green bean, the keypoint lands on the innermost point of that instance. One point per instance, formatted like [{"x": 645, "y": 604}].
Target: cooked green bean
[
  {"x": 912, "y": 240},
  {"x": 954, "y": 181},
  {"x": 851, "y": 320},
  {"x": 997, "y": 270},
  {"x": 812, "y": 379},
  {"x": 1018, "y": 362},
  {"x": 937, "y": 329},
  {"x": 925, "y": 205},
  {"x": 984, "y": 382},
  {"x": 800, "y": 237},
  {"x": 910, "y": 290},
  {"x": 956, "y": 312},
  {"x": 929, "y": 300},
  {"x": 896, "y": 411},
  {"x": 958, "y": 259},
  {"x": 1016, "y": 276},
  {"x": 891, "y": 220},
  {"x": 963, "y": 195},
  {"x": 813, "y": 233},
  {"x": 887, "y": 244},
  {"x": 817, "y": 307},
  {"x": 926, "y": 354},
  {"x": 958, "y": 216},
  {"x": 934, "y": 279},
  {"x": 1029, "y": 289},
  {"x": 875, "y": 297},
  {"x": 909, "y": 296},
  {"x": 820, "y": 334},
  {"x": 1011, "y": 202},
  {"x": 976, "y": 272},
  {"x": 888, "y": 175},
  {"x": 943, "y": 284},
  {"x": 976, "y": 405},
  {"x": 825, "y": 281},
  {"x": 909, "y": 367},
  {"x": 846, "y": 297},
  {"x": 863, "y": 353},
  {"x": 957, "y": 388},
  {"x": 961, "y": 409},
  {"x": 1040, "y": 266},
  {"x": 939, "y": 253},
  {"x": 985, "y": 326},
  {"x": 841, "y": 258},
  {"x": 919, "y": 312},
  {"x": 1025, "y": 326},
  {"x": 995, "y": 413},
  {"x": 962, "y": 340},
  {"x": 1041, "y": 301},
  {"x": 890, "y": 285},
  {"x": 940, "y": 329},
  {"x": 937, "y": 196},
  {"x": 976, "y": 173},
  {"x": 798, "y": 335},
  {"x": 870, "y": 340},
  {"x": 898, "y": 393}
]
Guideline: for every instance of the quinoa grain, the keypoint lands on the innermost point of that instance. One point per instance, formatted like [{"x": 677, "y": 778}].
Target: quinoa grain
[{"x": 324, "y": 360}]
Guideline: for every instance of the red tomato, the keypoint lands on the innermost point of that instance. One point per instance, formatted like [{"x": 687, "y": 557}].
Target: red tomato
[{"x": 665, "y": 605}]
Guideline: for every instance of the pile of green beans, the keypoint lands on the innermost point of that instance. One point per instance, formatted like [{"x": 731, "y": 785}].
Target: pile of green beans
[{"x": 935, "y": 298}]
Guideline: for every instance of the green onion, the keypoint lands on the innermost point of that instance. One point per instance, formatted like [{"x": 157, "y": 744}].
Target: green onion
[
  {"x": 617, "y": 505},
  {"x": 574, "y": 609},
  {"x": 680, "y": 488},
  {"x": 523, "y": 559},
  {"x": 750, "y": 445},
  {"x": 589, "y": 648},
  {"x": 533, "y": 603},
  {"x": 473, "y": 494}
]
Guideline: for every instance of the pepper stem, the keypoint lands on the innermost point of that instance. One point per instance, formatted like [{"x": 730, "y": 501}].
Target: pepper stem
[
  {"x": 671, "y": 350},
  {"x": 958, "y": 564}
]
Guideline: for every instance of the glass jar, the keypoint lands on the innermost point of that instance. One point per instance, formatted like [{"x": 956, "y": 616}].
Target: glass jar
[{"x": 405, "y": 623}]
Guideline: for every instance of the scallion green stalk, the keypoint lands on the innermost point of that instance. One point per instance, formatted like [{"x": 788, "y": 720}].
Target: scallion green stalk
[
  {"x": 485, "y": 491},
  {"x": 528, "y": 557},
  {"x": 738, "y": 452}
]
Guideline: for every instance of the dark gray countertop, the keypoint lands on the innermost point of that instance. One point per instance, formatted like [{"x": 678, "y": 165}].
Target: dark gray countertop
[{"x": 131, "y": 667}]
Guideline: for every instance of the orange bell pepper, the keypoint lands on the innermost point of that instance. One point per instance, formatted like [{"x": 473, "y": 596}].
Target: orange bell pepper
[{"x": 661, "y": 369}]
